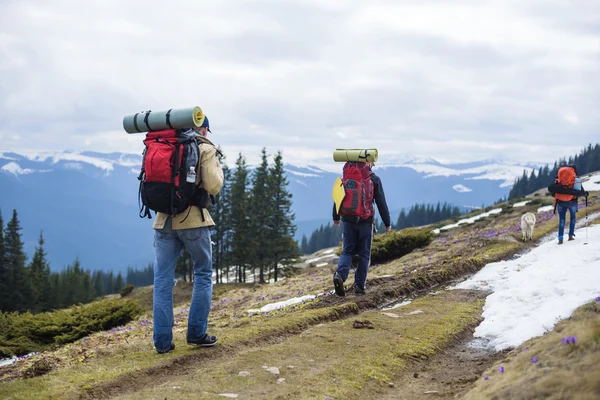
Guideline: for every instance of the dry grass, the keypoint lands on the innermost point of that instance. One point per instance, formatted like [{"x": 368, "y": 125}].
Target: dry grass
[{"x": 560, "y": 371}]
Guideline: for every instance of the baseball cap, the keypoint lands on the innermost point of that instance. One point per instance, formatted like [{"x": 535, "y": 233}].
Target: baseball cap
[{"x": 205, "y": 124}]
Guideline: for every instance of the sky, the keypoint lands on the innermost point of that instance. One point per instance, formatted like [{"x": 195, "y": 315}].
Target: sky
[{"x": 456, "y": 81}]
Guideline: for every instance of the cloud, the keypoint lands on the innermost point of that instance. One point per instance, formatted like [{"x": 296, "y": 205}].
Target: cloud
[{"x": 455, "y": 81}]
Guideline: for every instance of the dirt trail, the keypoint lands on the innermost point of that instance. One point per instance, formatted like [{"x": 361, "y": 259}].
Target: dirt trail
[
  {"x": 380, "y": 292},
  {"x": 447, "y": 375}
]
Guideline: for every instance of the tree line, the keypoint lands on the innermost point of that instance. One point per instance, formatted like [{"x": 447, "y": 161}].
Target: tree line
[
  {"x": 588, "y": 160},
  {"x": 254, "y": 223},
  {"x": 419, "y": 214},
  {"x": 33, "y": 287}
]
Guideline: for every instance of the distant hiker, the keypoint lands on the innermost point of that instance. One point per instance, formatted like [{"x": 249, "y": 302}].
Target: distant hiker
[
  {"x": 180, "y": 175},
  {"x": 566, "y": 188},
  {"x": 362, "y": 187}
]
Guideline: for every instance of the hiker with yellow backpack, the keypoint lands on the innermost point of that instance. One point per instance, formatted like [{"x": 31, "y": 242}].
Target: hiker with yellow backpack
[{"x": 566, "y": 189}]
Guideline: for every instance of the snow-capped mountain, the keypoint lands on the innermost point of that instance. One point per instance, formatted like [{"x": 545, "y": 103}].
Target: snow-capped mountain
[{"x": 87, "y": 206}]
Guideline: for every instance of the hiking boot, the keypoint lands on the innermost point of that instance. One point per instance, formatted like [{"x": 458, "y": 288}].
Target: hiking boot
[
  {"x": 358, "y": 291},
  {"x": 338, "y": 285},
  {"x": 560, "y": 241},
  {"x": 170, "y": 349},
  {"x": 571, "y": 237},
  {"x": 204, "y": 341}
]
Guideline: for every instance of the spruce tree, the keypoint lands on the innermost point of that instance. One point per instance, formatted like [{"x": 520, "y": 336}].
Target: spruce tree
[
  {"x": 261, "y": 208},
  {"x": 40, "y": 278},
  {"x": 98, "y": 284},
  {"x": 118, "y": 283},
  {"x": 19, "y": 285},
  {"x": 5, "y": 290},
  {"x": 304, "y": 245},
  {"x": 241, "y": 244},
  {"x": 280, "y": 242},
  {"x": 221, "y": 213}
]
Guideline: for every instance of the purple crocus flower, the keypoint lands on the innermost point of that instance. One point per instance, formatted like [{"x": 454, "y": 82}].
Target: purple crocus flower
[
  {"x": 598, "y": 299},
  {"x": 501, "y": 370},
  {"x": 485, "y": 378},
  {"x": 534, "y": 360}
]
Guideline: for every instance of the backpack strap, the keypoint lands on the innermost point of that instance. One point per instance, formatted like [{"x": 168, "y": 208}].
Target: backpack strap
[{"x": 144, "y": 210}]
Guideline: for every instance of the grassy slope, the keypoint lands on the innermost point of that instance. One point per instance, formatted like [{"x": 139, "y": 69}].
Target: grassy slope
[
  {"x": 108, "y": 360},
  {"x": 561, "y": 371}
]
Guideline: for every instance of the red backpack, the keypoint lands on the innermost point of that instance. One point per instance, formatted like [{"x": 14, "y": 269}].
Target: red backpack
[
  {"x": 359, "y": 190},
  {"x": 565, "y": 178},
  {"x": 168, "y": 174}
]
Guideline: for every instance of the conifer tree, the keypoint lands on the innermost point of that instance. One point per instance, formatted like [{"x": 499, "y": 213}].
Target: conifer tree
[
  {"x": 222, "y": 217},
  {"x": 40, "y": 279},
  {"x": 4, "y": 288},
  {"x": 261, "y": 208},
  {"x": 18, "y": 283},
  {"x": 280, "y": 241},
  {"x": 118, "y": 283},
  {"x": 241, "y": 245}
]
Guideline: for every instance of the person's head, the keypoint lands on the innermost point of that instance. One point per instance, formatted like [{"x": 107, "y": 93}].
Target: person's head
[
  {"x": 371, "y": 164},
  {"x": 204, "y": 128}
]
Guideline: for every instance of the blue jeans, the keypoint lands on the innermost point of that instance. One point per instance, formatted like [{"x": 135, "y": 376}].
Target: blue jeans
[
  {"x": 168, "y": 244},
  {"x": 562, "y": 208},
  {"x": 357, "y": 239}
]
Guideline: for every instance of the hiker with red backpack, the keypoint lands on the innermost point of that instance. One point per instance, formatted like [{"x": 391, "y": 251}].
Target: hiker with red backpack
[
  {"x": 362, "y": 187},
  {"x": 180, "y": 175},
  {"x": 566, "y": 189}
]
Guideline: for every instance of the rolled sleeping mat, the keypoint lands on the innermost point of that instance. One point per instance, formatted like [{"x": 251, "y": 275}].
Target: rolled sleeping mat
[
  {"x": 148, "y": 121},
  {"x": 360, "y": 155}
]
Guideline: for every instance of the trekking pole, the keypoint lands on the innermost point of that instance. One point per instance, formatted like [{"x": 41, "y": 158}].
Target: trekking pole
[{"x": 586, "y": 218}]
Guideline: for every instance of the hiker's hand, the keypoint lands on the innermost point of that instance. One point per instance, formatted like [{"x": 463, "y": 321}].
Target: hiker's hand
[
  {"x": 336, "y": 223},
  {"x": 388, "y": 229}
]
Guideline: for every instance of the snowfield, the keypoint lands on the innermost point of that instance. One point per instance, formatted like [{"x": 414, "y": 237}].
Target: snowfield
[{"x": 532, "y": 293}]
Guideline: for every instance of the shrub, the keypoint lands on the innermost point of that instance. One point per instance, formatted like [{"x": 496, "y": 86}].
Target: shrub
[
  {"x": 26, "y": 333},
  {"x": 127, "y": 290},
  {"x": 393, "y": 245}
]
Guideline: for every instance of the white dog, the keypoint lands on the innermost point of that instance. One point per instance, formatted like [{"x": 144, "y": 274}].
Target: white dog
[{"x": 527, "y": 224}]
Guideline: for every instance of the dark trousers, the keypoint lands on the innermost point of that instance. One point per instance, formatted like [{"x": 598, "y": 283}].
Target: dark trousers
[{"x": 357, "y": 238}]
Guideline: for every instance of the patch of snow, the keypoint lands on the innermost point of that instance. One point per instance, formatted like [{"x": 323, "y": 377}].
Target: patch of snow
[
  {"x": 436, "y": 231},
  {"x": 506, "y": 173},
  {"x": 322, "y": 264},
  {"x": 404, "y": 303},
  {"x": 329, "y": 251},
  {"x": 592, "y": 183},
  {"x": 303, "y": 174},
  {"x": 472, "y": 219},
  {"x": 15, "y": 169},
  {"x": 9, "y": 361},
  {"x": 462, "y": 188},
  {"x": 545, "y": 208},
  {"x": 229, "y": 395},
  {"x": 312, "y": 260},
  {"x": 57, "y": 156},
  {"x": 301, "y": 182},
  {"x": 521, "y": 203},
  {"x": 281, "y": 304},
  {"x": 537, "y": 290}
]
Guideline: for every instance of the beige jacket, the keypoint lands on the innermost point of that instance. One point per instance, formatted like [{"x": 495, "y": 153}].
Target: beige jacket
[{"x": 209, "y": 175}]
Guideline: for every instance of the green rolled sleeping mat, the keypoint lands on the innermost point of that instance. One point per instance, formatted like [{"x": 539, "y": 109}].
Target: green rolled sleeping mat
[
  {"x": 360, "y": 155},
  {"x": 148, "y": 121}
]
